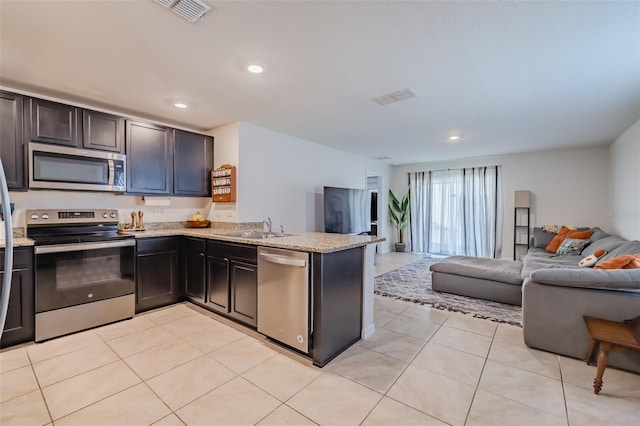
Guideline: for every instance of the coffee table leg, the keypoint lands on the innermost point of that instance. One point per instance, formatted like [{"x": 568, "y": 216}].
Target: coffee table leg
[
  {"x": 592, "y": 347},
  {"x": 602, "y": 364}
]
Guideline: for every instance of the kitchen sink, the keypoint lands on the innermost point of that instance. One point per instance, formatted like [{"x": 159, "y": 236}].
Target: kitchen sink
[{"x": 256, "y": 235}]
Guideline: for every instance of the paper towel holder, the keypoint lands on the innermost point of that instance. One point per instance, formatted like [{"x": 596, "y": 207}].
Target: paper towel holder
[{"x": 156, "y": 201}]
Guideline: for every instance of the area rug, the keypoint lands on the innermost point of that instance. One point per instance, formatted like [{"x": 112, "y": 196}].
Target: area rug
[{"x": 412, "y": 283}]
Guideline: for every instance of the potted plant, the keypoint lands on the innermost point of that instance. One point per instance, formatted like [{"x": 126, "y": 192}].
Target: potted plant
[{"x": 399, "y": 216}]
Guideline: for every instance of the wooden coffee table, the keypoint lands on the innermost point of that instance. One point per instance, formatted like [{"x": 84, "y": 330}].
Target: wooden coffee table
[{"x": 612, "y": 336}]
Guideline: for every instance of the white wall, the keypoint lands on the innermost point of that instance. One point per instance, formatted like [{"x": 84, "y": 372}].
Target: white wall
[
  {"x": 225, "y": 151},
  {"x": 568, "y": 187},
  {"x": 623, "y": 209},
  {"x": 282, "y": 177}
]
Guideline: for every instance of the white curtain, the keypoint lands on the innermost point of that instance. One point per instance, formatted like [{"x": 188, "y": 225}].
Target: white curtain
[
  {"x": 457, "y": 212},
  {"x": 419, "y": 218}
]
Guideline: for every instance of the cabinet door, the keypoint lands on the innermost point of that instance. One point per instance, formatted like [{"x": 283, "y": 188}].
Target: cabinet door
[
  {"x": 218, "y": 284},
  {"x": 149, "y": 158},
  {"x": 11, "y": 140},
  {"x": 102, "y": 131},
  {"x": 51, "y": 122},
  {"x": 156, "y": 280},
  {"x": 19, "y": 326},
  {"x": 195, "y": 270},
  {"x": 244, "y": 292},
  {"x": 193, "y": 162}
]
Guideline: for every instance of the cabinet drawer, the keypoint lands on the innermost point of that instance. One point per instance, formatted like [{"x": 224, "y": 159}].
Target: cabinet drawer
[
  {"x": 233, "y": 251},
  {"x": 196, "y": 245},
  {"x": 21, "y": 258},
  {"x": 155, "y": 245}
]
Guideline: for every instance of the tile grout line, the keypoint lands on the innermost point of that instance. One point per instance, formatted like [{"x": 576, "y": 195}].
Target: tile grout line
[
  {"x": 564, "y": 394},
  {"x": 44, "y": 400},
  {"x": 477, "y": 387},
  {"x": 408, "y": 364},
  {"x": 513, "y": 400}
]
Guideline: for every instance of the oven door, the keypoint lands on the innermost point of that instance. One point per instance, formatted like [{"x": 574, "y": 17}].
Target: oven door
[{"x": 74, "y": 274}]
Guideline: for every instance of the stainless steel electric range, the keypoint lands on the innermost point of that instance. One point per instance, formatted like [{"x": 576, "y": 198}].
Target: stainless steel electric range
[{"x": 84, "y": 270}]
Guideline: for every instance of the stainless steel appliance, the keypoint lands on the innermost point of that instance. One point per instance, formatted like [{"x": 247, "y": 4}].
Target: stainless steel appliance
[
  {"x": 84, "y": 270},
  {"x": 284, "y": 297},
  {"x": 61, "y": 167}
]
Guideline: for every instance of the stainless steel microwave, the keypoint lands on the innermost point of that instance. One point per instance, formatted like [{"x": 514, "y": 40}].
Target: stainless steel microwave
[{"x": 61, "y": 167}]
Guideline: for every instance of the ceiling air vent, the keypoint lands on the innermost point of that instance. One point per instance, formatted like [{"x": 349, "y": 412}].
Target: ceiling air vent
[
  {"x": 191, "y": 10},
  {"x": 400, "y": 95}
]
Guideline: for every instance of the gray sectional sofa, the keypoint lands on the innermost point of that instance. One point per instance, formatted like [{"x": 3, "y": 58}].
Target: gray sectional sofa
[{"x": 554, "y": 292}]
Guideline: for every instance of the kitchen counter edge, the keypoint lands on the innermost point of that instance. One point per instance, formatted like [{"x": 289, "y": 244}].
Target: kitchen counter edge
[
  {"x": 18, "y": 242},
  {"x": 317, "y": 242}
]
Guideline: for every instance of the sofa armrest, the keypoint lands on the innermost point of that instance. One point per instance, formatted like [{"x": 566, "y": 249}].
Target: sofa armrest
[{"x": 618, "y": 279}]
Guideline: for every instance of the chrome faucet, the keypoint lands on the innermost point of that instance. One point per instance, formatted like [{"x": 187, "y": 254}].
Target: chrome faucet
[{"x": 268, "y": 223}]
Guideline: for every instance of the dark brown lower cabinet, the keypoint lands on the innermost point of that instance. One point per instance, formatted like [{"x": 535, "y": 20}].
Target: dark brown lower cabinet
[
  {"x": 20, "y": 324},
  {"x": 195, "y": 269},
  {"x": 157, "y": 272},
  {"x": 218, "y": 284},
  {"x": 232, "y": 281},
  {"x": 337, "y": 302},
  {"x": 243, "y": 288},
  {"x": 220, "y": 276}
]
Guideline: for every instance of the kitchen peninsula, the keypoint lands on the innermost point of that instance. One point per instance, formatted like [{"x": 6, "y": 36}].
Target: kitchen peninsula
[
  {"x": 221, "y": 269},
  {"x": 217, "y": 270}
]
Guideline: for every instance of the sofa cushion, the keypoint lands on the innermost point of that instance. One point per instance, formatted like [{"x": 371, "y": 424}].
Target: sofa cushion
[
  {"x": 572, "y": 246},
  {"x": 566, "y": 233},
  {"x": 608, "y": 243},
  {"x": 621, "y": 279},
  {"x": 628, "y": 247},
  {"x": 542, "y": 238},
  {"x": 597, "y": 234},
  {"x": 506, "y": 271},
  {"x": 538, "y": 258}
]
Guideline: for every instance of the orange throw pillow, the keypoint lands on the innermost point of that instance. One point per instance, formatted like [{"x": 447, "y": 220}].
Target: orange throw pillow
[
  {"x": 624, "y": 261},
  {"x": 567, "y": 233}
]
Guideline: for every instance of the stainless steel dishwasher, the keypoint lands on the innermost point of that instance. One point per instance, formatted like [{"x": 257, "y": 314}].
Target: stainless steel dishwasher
[{"x": 283, "y": 296}]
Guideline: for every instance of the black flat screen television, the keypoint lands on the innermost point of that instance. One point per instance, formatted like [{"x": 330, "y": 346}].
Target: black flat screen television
[{"x": 347, "y": 210}]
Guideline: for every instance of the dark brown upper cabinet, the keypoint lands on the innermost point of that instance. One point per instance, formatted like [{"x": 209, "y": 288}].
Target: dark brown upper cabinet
[
  {"x": 51, "y": 122},
  {"x": 192, "y": 164},
  {"x": 149, "y": 151},
  {"x": 102, "y": 131},
  {"x": 11, "y": 140}
]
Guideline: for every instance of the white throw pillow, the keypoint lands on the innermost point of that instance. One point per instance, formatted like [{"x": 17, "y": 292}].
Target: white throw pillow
[{"x": 588, "y": 261}]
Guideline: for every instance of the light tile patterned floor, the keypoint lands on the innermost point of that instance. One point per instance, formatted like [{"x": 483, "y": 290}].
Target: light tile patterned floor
[{"x": 183, "y": 365}]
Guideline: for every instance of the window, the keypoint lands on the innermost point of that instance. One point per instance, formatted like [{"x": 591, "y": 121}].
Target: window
[{"x": 457, "y": 212}]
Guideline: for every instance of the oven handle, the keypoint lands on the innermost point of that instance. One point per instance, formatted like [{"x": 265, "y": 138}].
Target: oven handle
[{"x": 62, "y": 248}]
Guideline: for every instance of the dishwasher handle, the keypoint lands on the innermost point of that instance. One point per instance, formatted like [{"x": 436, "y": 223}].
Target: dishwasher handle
[{"x": 283, "y": 260}]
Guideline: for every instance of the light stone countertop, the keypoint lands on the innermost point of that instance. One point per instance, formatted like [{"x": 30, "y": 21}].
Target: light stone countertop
[
  {"x": 18, "y": 242},
  {"x": 317, "y": 242}
]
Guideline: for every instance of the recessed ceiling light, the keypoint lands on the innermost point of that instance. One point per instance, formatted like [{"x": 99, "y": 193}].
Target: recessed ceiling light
[
  {"x": 180, "y": 105},
  {"x": 256, "y": 69},
  {"x": 454, "y": 138}
]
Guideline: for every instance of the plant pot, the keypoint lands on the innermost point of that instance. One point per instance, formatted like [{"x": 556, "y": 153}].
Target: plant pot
[{"x": 400, "y": 246}]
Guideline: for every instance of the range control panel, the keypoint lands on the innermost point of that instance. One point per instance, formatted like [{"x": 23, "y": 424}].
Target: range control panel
[{"x": 59, "y": 217}]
